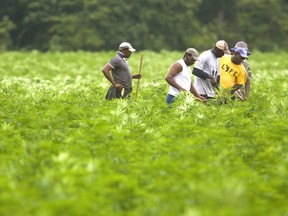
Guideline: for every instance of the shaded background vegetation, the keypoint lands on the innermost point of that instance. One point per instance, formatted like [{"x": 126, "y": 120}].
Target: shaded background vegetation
[{"x": 95, "y": 25}]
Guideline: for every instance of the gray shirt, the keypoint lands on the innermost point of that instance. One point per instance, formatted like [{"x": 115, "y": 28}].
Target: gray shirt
[
  {"x": 208, "y": 63},
  {"x": 121, "y": 71},
  {"x": 247, "y": 68}
]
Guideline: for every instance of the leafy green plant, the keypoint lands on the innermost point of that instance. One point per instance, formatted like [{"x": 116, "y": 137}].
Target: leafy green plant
[{"x": 65, "y": 150}]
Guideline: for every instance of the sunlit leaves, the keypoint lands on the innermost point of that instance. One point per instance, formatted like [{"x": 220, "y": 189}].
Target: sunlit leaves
[{"x": 66, "y": 150}]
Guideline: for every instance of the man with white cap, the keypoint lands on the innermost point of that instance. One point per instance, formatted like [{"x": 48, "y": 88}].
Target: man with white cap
[
  {"x": 206, "y": 69},
  {"x": 232, "y": 72},
  {"x": 179, "y": 76},
  {"x": 121, "y": 78}
]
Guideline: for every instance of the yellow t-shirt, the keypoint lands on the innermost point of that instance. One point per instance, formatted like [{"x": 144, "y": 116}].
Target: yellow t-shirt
[{"x": 231, "y": 74}]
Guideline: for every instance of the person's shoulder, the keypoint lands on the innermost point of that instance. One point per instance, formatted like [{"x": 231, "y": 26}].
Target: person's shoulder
[
  {"x": 226, "y": 57},
  {"x": 245, "y": 62},
  {"x": 117, "y": 57},
  {"x": 178, "y": 63},
  {"x": 243, "y": 67},
  {"x": 206, "y": 54}
]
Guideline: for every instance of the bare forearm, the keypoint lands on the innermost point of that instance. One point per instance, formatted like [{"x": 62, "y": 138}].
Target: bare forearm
[
  {"x": 109, "y": 77},
  {"x": 247, "y": 87},
  {"x": 235, "y": 88},
  {"x": 172, "y": 82},
  {"x": 194, "y": 91}
]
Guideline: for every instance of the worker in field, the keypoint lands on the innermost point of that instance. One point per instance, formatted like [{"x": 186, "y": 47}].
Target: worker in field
[
  {"x": 206, "y": 69},
  {"x": 118, "y": 73},
  {"x": 179, "y": 76},
  {"x": 243, "y": 93},
  {"x": 233, "y": 75}
]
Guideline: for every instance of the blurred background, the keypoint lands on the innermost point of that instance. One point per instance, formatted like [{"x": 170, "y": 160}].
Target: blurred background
[{"x": 98, "y": 25}]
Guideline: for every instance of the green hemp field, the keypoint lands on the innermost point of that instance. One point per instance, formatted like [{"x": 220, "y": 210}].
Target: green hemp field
[{"x": 65, "y": 150}]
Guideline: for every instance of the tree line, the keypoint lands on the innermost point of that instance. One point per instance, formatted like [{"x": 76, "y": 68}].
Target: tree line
[{"x": 94, "y": 25}]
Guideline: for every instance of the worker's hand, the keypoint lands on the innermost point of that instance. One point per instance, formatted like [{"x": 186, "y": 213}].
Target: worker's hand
[
  {"x": 245, "y": 97},
  {"x": 137, "y": 76},
  {"x": 213, "y": 82},
  {"x": 118, "y": 86},
  {"x": 203, "y": 99}
]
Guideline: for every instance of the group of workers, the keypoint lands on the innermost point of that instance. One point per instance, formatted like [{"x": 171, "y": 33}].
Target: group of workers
[{"x": 219, "y": 66}]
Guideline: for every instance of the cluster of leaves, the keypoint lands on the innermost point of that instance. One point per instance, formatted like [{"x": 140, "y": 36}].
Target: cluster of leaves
[{"x": 66, "y": 151}]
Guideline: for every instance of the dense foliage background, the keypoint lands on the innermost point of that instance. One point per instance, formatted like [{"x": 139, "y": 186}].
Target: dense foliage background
[{"x": 148, "y": 24}]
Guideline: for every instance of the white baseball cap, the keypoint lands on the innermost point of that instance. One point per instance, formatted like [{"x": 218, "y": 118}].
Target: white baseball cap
[
  {"x": 192, "y": 52},
  {"x": 222, "y": 45},
  {"x": 126, "y": 45}
]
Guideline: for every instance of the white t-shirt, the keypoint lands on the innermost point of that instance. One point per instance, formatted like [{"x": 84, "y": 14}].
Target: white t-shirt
[
  {"x": 183, "y": 79},
  {"x": 208, "y": 63}
]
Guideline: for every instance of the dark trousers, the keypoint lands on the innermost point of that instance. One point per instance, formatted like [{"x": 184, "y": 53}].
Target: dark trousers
[{"x": 115, "y": 93}]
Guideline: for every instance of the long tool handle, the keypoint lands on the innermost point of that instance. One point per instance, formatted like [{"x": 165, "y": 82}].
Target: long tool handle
[{"x": 140, "y": 69}]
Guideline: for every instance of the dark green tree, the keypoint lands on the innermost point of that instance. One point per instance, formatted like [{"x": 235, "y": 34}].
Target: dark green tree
[
  {"x": 6, "y": 25},
  {"x": 263, "y": 23},
  {"x": 148, "y": 24}
]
